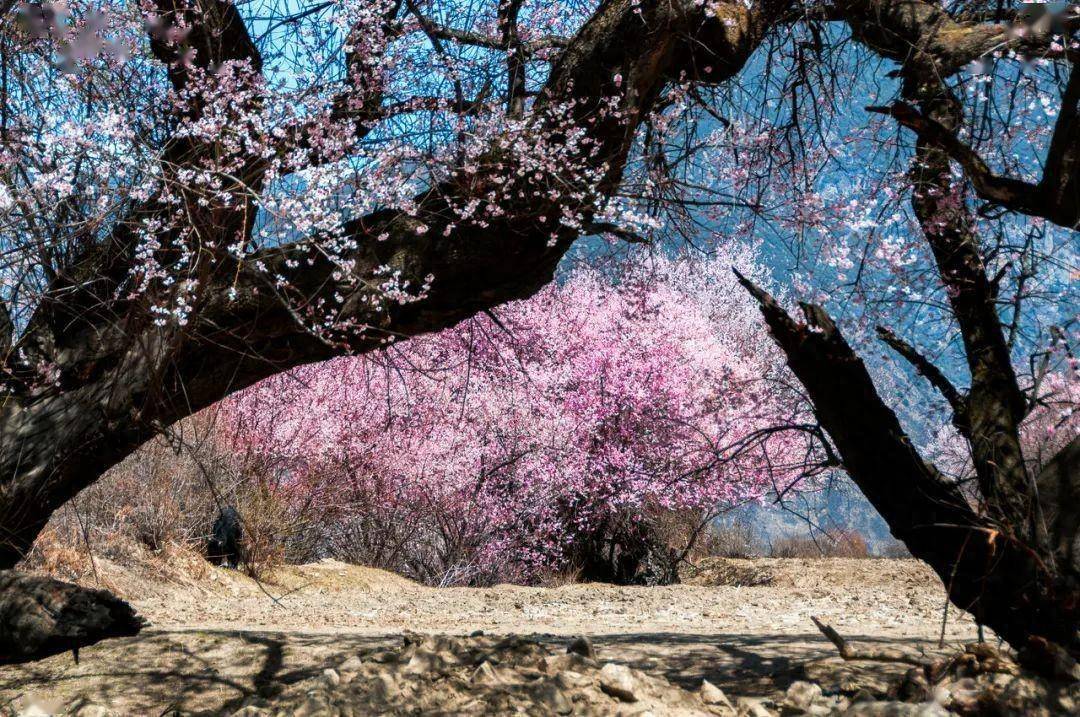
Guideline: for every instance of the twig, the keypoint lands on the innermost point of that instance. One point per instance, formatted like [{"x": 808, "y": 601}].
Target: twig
[{"x": 849, "y": 653}]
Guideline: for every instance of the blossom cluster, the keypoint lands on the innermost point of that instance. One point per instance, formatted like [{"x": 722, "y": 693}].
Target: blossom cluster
[{"x": 600, "y": 399}]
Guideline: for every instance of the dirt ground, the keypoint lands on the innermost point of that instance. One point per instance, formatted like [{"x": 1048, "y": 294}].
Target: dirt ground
[{"x": 221, "y": 639}]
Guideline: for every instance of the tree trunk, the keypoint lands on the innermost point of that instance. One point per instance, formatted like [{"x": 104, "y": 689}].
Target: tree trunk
[{"x": 1001, "y": 580}]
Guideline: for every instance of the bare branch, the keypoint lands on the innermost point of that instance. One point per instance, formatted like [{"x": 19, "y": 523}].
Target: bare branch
[
  {"x": 932, "y": 374},
  {"x": 849, "y": 653}
]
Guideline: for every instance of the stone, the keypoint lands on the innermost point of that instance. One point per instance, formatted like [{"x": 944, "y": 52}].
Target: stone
[
  {"x": 313, "y": 707},
  {"x": 582, "y": 645},
  {"x": 752, "y": 707},
  {"x": 249, "y": 711},
  {"x": 554, "y": 664},
  {"x": 385, "y": 687},
  {"x": 349, "y": 668},
  {"x": 92, "y": 711},
  {"x": 800, "y": 696},
  {"x": 619, "y": 682},
  {"x": 384, "y": 656},
  {"x": 331, "y": 676},
  {"x": 420, "y": 663},
  {"x": 485, "y": 674},
  {"x": 552, "y": 698},
  {"x": 914, "y": 687},
  {"x": 713, "y": 695},
  {"x": 1050, "y": 659},
  {"x": 1024, "y": 696},
  {"x": 569, "y": 679}
]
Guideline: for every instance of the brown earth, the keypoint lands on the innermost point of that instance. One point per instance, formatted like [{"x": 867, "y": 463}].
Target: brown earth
[{"x": 218, "y": 639}]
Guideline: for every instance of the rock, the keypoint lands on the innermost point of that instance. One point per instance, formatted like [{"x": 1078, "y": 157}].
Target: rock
[
  {"x": 385, "y": 687},
  {"x": 800, "y": 696},
  {"x": 1050, "y": 659},
  {"x": 1028, "y": 696},
  {"x": 333, "y": 679},
  {"x": 554, "y": 664},
  {"x": 914, "y": 687},
  {"x": 419, "y": 663},
  {"x": 384, "y": 656},
  {"x": 960, "y": 696},
  {"x": 349, "y": 668},
  {"x": 569, "y": 679},
  {"x": 752, "y": 707},
  {"x": 485, "y": 674},
  {"x": 314, "y": 707},
  {"x": 619, "y": 682},
  {"x": 552, "y": 698},
  {"x": 92, "y": 711},
  {"x": 582, "y": 645},
  {"x": 713, "y": 695},
  {"x": 854, "y": 680}
]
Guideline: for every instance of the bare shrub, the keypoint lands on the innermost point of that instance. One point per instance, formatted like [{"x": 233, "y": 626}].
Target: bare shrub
[
  {"x": 849, "y": 544},
  {"x": 894, "y": 550},
  {"x": 840, "y": 544},
  {"x": 795, "y": 547},
  {"x": 165, "y": 497},
  {"x": 717, "y": 571},
  {"x": 735, "y": 539}
]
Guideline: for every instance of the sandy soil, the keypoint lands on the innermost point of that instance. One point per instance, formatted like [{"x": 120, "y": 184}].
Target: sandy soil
[{"x": 220, "y": 639}]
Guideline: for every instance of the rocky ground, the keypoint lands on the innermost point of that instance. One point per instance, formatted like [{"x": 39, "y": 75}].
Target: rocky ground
[{"x": 330, "y": 638}]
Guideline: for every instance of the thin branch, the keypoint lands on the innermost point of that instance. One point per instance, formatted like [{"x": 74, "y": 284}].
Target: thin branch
[{"x": 932, "y": 374}]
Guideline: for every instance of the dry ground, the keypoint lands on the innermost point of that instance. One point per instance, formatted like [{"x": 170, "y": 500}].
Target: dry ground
[{"x": 219, "y": 639}]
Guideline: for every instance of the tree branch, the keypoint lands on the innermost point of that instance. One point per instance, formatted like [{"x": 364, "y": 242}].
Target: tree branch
[
  {"x": 1048, "y": 199},
  {"x": 932, "y": 374},
  {"x": 476, "y": 39}
]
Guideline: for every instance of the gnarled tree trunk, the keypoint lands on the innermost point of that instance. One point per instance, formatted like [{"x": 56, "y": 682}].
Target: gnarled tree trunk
[{"x": 988, "y": 569}]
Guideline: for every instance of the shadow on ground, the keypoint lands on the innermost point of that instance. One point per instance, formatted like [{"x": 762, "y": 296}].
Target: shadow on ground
[{"x": 213, "y": 672}]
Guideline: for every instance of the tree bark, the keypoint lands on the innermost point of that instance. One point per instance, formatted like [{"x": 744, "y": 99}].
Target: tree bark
[
  {"x": 40, "y": 617},
  {"x": 993, "y": 574}
]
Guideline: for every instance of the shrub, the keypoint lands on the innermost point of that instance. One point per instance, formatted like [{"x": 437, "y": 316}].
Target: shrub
[
  {"x": 841, "y": 544},
  {"x": 734, "y": 539}
]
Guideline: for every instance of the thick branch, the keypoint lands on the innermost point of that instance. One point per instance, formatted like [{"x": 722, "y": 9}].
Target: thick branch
[
  {"x": 922, "y": 32},
  {"x": 203, "y": 37},
  {"x": 1054, "y": 198},
  {"x": 40, "y": 617},
  {"x": 995, "y": 405},
  {"x": 121, "y": 378},
  {"x": 476, "y": 39},
  {"x": 847, "y": 652}
]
